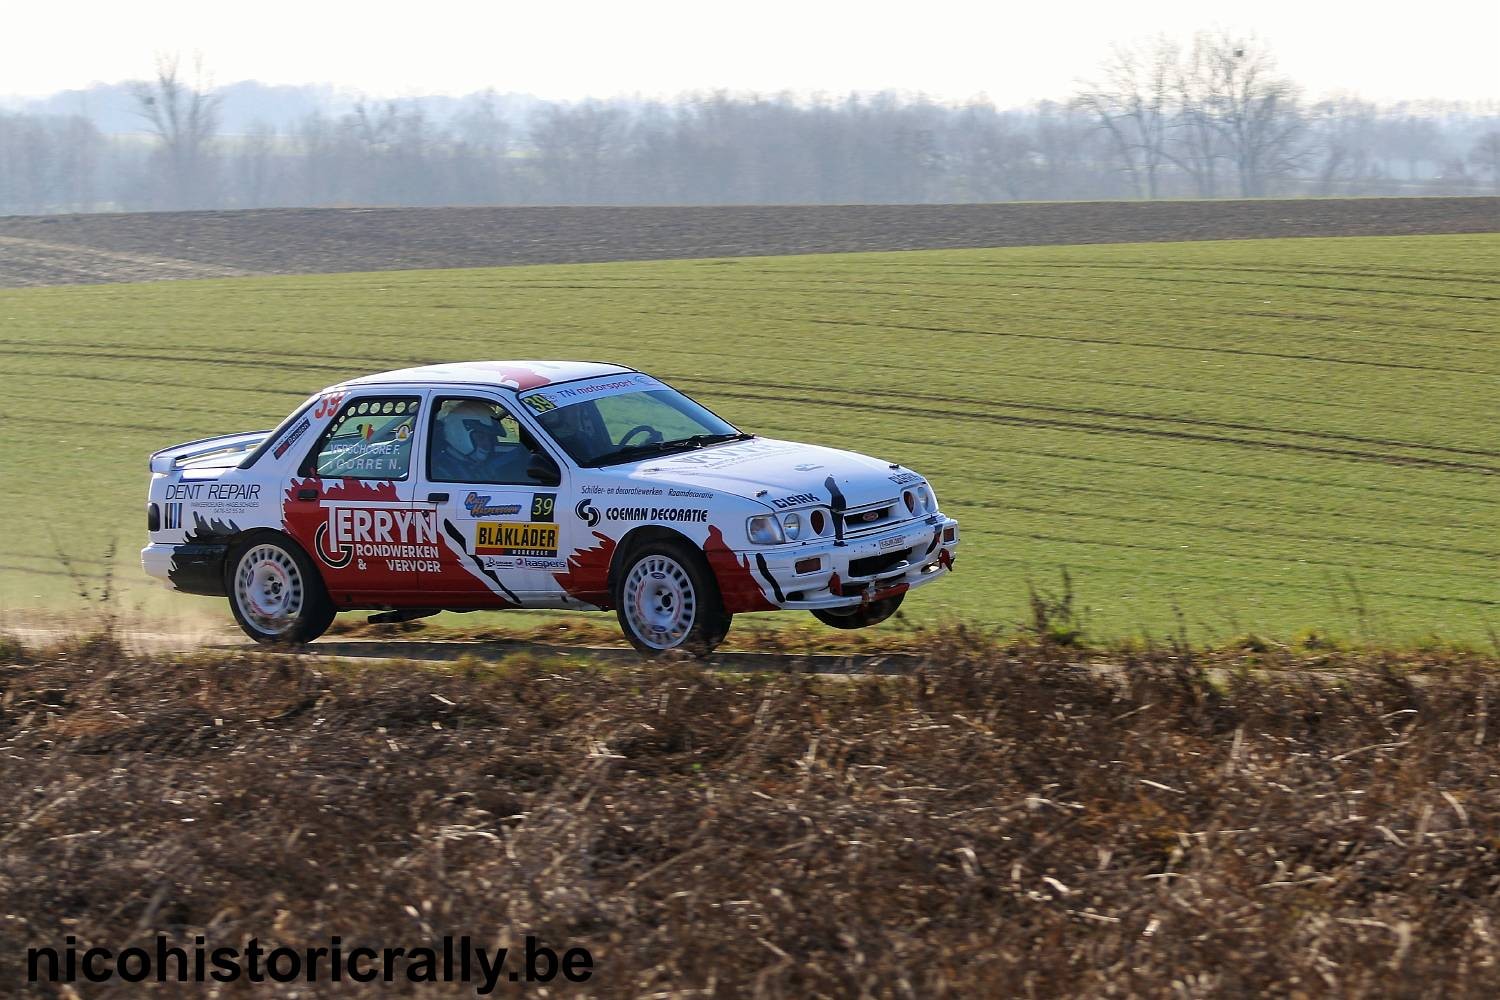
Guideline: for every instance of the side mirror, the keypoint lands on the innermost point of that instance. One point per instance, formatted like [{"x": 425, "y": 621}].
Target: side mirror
[{"x": 542, "y": 470}]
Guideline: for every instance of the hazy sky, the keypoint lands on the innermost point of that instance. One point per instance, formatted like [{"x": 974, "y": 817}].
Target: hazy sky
[{"x": 1012, "y": 51}]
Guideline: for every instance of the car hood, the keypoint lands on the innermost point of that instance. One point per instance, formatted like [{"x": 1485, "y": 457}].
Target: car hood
[{"x": 780, "y": 474}]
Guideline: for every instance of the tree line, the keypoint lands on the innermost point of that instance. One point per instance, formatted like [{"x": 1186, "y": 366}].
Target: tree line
[{"x": 1212, "y": 118}]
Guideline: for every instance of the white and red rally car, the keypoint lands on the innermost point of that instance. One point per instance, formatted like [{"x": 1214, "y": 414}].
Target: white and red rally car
[{"x": 540, "y": 484}]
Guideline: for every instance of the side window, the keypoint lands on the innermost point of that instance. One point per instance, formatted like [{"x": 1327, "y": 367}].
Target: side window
[
  {"x": 370, "y": 438},
  {"x": 477, "y": 441}
]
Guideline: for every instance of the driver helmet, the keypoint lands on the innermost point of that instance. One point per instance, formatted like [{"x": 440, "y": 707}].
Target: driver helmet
[{"x": 469, "y": 427}]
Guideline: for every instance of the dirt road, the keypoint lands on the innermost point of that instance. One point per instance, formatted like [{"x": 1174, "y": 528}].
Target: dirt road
[{"x": 145, "y": 640}]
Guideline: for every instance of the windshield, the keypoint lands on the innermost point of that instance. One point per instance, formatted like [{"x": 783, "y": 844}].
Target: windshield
[{"x": 616, "y": 419}]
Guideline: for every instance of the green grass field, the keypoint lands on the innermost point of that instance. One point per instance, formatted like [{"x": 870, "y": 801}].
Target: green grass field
[{"x": 1255, "y": 436}]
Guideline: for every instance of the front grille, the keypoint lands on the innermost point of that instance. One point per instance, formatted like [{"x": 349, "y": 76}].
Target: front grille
[
  {"x": 877, "y": 564},
  {"x": 873, "y": 517}
]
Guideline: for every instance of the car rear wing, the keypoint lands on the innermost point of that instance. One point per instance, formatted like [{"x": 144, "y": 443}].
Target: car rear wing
[{"x": 231, "y": 447}]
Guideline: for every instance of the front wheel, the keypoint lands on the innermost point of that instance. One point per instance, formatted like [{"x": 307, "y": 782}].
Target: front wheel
[
  {"x": 860, "y": 615},
  {"x": 275, "y": 592},
  {"x": 666, "y": 598}
]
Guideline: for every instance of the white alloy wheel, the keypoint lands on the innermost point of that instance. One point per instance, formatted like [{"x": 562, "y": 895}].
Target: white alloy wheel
[
  {"x": 269, "y": 589},
  {"x": 660, "y": 601}
]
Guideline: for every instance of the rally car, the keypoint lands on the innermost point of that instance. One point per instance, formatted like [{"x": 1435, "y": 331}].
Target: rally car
[{"x": 493, "y": 485}]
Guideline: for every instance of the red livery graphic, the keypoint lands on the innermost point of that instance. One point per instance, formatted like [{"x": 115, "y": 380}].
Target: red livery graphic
[
  {"x": 520, "y": 378},
  {"x": 396, "y": 535},
  {"x": 738, "y": 588},
  {"x": 360, "y": 527},
  {"x": 587, "y": 575}
]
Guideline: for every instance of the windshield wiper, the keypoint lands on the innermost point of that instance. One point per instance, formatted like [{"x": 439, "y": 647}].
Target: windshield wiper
[
  {"x": 661, "y": 447},
  {"x": 699, "y": 440}
]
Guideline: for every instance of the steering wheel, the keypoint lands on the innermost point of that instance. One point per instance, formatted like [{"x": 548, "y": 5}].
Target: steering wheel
[{"x": 652, "y": 434}]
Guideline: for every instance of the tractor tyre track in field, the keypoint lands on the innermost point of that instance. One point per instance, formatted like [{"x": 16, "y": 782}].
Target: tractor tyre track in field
[
  {"x": 103, "y": 351},
  {"x": 1068, "y": 425},
  {"x": 1255, "y": 532},
  {"x": 1265, "y": 477},
  {"x": 211, "y": 354},
  {"x": 1146, "y": 344},
  {"x": 1107, "y": 342},
  {"x": 1093, "y": 411},
  {"x": 313, "y": 360}
]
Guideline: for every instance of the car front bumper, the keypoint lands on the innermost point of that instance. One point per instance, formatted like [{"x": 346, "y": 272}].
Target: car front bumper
[{"x": 851, "y": 572}]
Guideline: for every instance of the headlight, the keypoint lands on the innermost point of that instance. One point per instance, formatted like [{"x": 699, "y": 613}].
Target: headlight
[
  {"x": 925, "y": 502},
  {"x": 792, "y": 525},
  {"x": 764, "y": 529}
]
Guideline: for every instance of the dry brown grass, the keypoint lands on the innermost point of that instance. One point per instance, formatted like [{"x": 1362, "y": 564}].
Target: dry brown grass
[{"x": 1007, "y": 820}]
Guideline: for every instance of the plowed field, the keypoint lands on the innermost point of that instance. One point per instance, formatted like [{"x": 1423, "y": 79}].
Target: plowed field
[{"x": 157, "y": 246}]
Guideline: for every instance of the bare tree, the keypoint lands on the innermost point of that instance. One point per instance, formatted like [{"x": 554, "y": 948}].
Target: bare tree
[
  {"x": 26, "y": 156},
  {"x": 990, "y": 156},
  {"x": 1070, "y": 159},
  {"x": 1162, "y": 121},
  {"x": 1254, "y": 111},
  {"x": 1193, "y": 144},
  {"x": 481, "y": 141},
  {"x": 1134, "y": 105},
  {"x": 575, "y": 146},
  {"x": 1486, "y": 157},
  {"x": 397, "y": 147},
  {"x": 48, "y": 163},
  {"x": 82, "y": 145},
  {"x": 253, "y": 167},
  {"x": 1344, "y": 136},
  {"x": 326, "y": 161},
  {"x": 1409, "y": 138},
  {"x": 184, "y": 116}
]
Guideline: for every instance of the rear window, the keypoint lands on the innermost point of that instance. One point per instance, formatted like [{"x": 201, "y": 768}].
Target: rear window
[{"x": 371, "y": 438}]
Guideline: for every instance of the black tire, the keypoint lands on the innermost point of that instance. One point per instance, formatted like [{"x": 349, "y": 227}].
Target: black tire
[
  {"x": 860, "y": 615},
  {"x": 275, "y": 591},
  {"x": 666, "y": 599}
]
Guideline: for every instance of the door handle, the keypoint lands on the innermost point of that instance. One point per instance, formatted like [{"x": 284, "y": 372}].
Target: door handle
[{"x": 437, "y": 498}]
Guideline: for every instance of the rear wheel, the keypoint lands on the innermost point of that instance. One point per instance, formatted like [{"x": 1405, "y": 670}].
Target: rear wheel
[
  {"x": 860, "y": 615},
  {"x": 666, "y": 598},
  {"x": 276, "y": 593}
]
